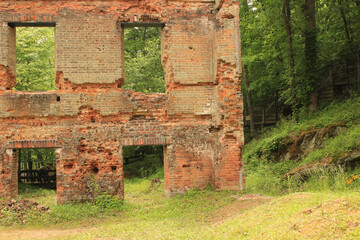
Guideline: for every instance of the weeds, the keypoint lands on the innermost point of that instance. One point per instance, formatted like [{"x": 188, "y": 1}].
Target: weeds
[
  {"x": 101, "y": 199},
  {"x": 323, "y": 179},
  {"x": 326, "y": 179},
  {"x": 353, "y": 181},
  {"x": 264, "y": 173}
]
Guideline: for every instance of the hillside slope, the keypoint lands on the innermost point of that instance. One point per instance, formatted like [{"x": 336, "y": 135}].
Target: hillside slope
[
  {"x": 297, "y": 216},
  {"x": 290, "y": 155}
]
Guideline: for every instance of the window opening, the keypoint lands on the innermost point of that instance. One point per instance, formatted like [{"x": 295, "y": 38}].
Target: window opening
[
  {"x": 36, "y": 167},
  {"x": 35, "y": 61},
  {"x": 142, "y": 55}
]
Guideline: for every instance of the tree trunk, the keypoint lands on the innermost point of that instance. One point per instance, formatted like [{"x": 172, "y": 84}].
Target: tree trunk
[
  {"x": 30, "y": 166},
  {"x": 287, "y": 17},
  {"x": 19, "y": 162},
  {"x": 358, "y": 69},
  {"x": 311, "y": 51},
  {"x": 249, "y": 101},
  {"x": 346, "y": 26}
]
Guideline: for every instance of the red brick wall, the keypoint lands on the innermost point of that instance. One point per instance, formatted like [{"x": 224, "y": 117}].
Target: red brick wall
[
  {"x": 190, "y": 160},
  {"x": 90, "y": 118}
]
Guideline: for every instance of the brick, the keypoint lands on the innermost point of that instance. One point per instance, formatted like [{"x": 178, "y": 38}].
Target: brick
[{"x": 91, "y": 118}]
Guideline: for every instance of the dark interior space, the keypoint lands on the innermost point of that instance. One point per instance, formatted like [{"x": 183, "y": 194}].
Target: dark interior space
[
  {"x": 142, "y": 161},
  {"x": 37, "y": 167}
]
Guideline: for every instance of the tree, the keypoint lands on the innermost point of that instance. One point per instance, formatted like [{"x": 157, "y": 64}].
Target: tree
[
  {"x": 286, "y": 11},
  {"x": 143, "y": 68},
  {"x": 35, "y": 70},
  {"x": 311, "y": 51}
]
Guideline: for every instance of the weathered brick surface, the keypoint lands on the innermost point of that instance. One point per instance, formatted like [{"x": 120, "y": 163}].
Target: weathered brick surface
[
  {"x": 90, "y": 49},
  {"x": 197, "y": 100},
  {"x": 191, "y": 50},
  {"x": 191, "y": 159},
  {"x": 7, "y": 57},
  {"x": 90, "y": 118}
]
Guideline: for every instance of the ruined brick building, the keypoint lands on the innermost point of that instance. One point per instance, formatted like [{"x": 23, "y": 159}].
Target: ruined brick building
[{"x": 90, "y": 118}]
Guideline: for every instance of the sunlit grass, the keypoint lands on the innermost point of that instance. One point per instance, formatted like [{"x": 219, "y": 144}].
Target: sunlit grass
[
  {"x": 298, "y": 216},
  {"x": 147, "y": 214}
]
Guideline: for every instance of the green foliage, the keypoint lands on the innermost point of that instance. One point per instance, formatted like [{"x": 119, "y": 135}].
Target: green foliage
[
  {"x": 35, "y": 67},
  {"x": 37, "y": 156},
  {"x": 345, "y": 142},
  {"x": 326, "y": 179},
  {"x": 142, "y": 161},
  {"x": 143, "y": 68},
  {"x": 63, "y": 213},
  {"x": 263, "y": 181},
  {"x": 346, "y": 113},
  {"x": 106, "y": 200},
  {"x": 27, "y": 191},
  {"x": 263, "y": 41},
  {"x": 102, "y": 200},
  {"x": 264, "y": 173},
  {"x": 199, "y": 214},
  {"x": 265, "y": 46}
]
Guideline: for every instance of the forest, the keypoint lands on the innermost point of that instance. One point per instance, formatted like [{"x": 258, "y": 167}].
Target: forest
[{"x": 287, "y": 45}]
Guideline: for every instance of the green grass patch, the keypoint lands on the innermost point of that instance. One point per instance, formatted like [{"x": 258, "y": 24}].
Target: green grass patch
[
  {"x": 297, "y": 216},
  {"x": 201, "y": 214},
  {"x": 264, "y": 172}
]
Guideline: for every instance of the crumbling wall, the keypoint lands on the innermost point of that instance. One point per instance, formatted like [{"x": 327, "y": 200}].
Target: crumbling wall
[{"x": 91, "y": 118}]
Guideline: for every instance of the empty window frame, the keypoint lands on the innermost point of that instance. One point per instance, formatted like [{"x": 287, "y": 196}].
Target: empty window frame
[
  {"x": 35, "y": 56},
  {"x": 142, "y": 55}
]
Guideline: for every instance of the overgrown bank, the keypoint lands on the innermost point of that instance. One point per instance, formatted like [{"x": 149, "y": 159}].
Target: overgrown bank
[{"x": 321, "y": 151}]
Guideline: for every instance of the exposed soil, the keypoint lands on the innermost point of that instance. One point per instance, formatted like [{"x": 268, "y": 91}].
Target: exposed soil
[
  {"x": 338, "y": 215},
  {"x": 242, "y": 203},
  {"x": 39, "y": 233}
]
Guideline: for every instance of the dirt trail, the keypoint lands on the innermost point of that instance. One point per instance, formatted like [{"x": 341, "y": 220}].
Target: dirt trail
[
  {"x": 27, "y": 234},
  {"x": 243, "y": 203}
]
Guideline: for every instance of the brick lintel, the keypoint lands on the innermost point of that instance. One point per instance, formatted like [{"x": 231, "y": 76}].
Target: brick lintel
[{"x": 33, "y": 144}]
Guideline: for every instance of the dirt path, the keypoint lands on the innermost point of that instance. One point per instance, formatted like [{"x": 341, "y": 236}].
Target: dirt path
[
  {"x": 243, "y": 203},
  {"x": 38, "y": 233}
]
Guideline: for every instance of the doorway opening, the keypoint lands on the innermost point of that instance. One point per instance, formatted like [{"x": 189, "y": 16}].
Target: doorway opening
[
  {"x": 143, "y": 169},
  {"x": 143, "y": 161},
  {"x": 36, "y": 168}
]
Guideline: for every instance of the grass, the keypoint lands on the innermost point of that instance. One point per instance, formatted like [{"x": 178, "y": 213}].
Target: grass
[
  {"x": 298, "y": 216},
  {"x": 347, "y": 113},
  {"x": 265, "y": 172},
  {"x": 202, "y": 214}
]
